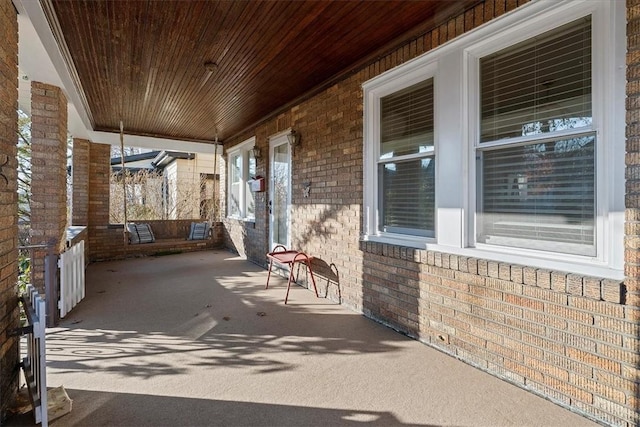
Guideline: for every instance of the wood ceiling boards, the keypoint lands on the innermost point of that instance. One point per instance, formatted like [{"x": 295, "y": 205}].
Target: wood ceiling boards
[{"x": 142, "y": 61}]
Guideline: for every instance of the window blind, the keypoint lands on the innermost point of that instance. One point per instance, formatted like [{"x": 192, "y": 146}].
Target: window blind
[
  {"x": 540, "y": 196},
  {"x": 406, "y": 187},
  {"x": 407, "y": 121},
  {"x": 537, "y": 86},
  {"x": 408, "y": 197}
]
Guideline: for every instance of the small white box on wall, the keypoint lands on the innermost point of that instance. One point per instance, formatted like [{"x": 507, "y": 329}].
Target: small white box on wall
[{"x": 257, "y": 184}]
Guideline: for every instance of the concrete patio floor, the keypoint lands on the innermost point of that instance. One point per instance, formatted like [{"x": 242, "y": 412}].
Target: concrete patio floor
[{"x": 195, "y": 340}]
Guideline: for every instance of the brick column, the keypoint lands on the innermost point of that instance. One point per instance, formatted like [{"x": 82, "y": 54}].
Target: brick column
[
  {"x": 49, "y": 173},
  {"x": 632, "y": 195},
  {"x": 632, "y": 175},
  {"x": 80, "y": 174},
  {"x": 98, "y": 212},
  {"x": 8, "y": 204}
]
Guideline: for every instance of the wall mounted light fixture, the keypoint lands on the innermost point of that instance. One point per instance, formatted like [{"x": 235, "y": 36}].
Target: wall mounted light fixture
[
  {"x": 294, "y": 138},
  {"x": 255, "y": 152}
]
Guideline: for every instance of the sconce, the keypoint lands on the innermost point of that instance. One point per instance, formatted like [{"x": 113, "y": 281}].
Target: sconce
[
  {"x": 294, "y": 138},
  {"x": 255, "y": 152}
]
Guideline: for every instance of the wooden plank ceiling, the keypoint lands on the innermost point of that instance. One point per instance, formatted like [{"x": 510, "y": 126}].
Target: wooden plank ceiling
[{"x": 143, "y": 61}]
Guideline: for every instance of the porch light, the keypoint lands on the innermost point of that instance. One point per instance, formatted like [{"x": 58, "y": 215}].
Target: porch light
[
  {"x": 293, "y": 137},
  {"x": 255, "y": 152}
]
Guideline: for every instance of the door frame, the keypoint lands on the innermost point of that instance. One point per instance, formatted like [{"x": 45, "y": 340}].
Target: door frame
[{"x": 276, "y": 140}]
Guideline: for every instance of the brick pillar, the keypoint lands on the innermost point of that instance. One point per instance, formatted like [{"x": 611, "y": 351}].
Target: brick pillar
[
  {"x": 632, "y": 174},
  {"x": 49, "y": 173},
  {"x": 80, "y": 174},
  {"x": 8, "y": 204},
  {"x": 98, "y": 212},
  {"x": 632, "y": 196}
]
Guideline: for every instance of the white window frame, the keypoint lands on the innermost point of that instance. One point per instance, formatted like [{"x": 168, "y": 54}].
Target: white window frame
[
  {"x": 455, "y": 67},
  {"x": 374, "y": 91},
  {"x": 244, "y": 151}
]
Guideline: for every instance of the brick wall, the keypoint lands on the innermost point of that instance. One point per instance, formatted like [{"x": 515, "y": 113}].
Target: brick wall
[
  {"x": 632, "y": 193},
  {"x": 8, "y": 205},
  {"x": 171, "y": 237},
  {"x": 80, "y": 175},
  {"x": 632, "y": 196},
  {"x": 100, "y": 234},
  {"x": 49, "y": 173},
  {"x": 571, "y": 338},
  {"x": 564, "y": 336}
]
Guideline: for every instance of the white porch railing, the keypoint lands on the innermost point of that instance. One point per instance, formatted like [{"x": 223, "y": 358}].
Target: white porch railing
[
  {"x": 34, "y": 363},
  {"x": 71, "y": 265}
]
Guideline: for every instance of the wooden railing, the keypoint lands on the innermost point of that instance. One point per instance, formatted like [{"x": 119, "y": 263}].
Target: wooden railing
[
  {"x": 34, "y": 364},
  {"x": 72, "y": 279}
]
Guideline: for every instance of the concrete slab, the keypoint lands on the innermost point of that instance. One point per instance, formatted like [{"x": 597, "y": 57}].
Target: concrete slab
[{"x": 195, "y": 339}]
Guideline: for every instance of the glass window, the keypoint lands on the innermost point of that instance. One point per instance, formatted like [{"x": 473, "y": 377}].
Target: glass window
[
  {"x": 250, "y": 201},
  {"x": 527, "y": 115},
  {"x": 542, "y": 85},
  {"x": 406, "y": 166},
  {"x": 536, "y": 155},
  {"x": 242, "y": 170},
  {"x": 235, "y": 182}
]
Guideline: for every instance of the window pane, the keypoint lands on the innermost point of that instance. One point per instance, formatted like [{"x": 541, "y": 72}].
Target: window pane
[
  {"x": 539, "y": 196},
  {"x": 280, "y": 208},
  {"x": 235, "y": 165},
  {"x": 407, "y": 197},
  {"x": 406, "y": 121},
  {"x": 538, "y": 86},
  {"x": 250, "y": 196}
]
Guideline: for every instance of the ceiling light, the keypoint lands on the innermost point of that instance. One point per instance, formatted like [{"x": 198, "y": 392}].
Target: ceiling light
[{"x": 210, "y": 66}]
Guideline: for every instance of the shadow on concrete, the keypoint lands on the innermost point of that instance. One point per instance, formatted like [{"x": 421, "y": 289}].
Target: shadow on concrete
[
  {"x": 328, "y": 279},
  {"x": 219, "y": 314},
  {"x": 91, "y": 408},
  {"x": 196, "y": 339}
]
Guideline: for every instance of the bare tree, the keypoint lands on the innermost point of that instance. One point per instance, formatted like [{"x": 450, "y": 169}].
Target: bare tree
[{"x": 150, "y": 196}]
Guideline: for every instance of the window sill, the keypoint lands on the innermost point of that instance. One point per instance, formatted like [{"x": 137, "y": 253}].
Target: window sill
[
  {"x": 399, "y": 240},
  {"x": 239, "y": 219}
]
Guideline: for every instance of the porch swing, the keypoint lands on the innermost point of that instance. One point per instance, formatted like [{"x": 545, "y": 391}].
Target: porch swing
[{"x": 137, "y": 233}]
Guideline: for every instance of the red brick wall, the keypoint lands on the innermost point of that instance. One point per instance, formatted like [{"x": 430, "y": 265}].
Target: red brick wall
[
  {"x": 49, "y": 173},
  {"x": 570, "y": 338},
  {"x": 8, "y": 205}
]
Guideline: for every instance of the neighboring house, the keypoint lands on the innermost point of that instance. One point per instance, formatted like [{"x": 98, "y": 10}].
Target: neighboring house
[
  {"x": 165, "y": 185},
  {"x": 135, "y": 162},
  {"x": 189, "y": 183}
]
